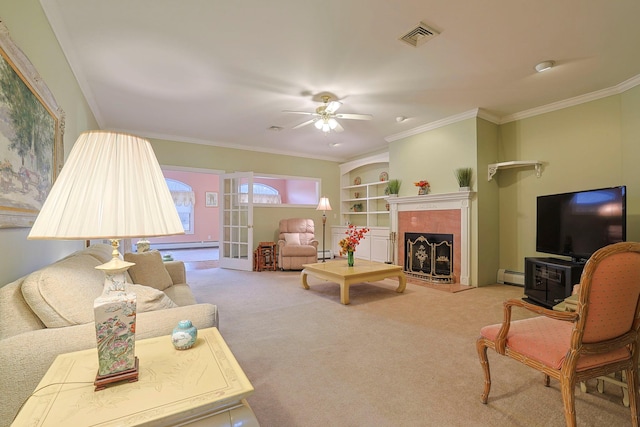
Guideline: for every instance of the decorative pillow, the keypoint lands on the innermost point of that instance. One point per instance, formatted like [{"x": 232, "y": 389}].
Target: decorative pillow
[
  {"x": 149, "y": 270},
  {"x": 62, "y": 294},
  {"x": 149, "y": 299},
  {"x": 292, "y": 239}
]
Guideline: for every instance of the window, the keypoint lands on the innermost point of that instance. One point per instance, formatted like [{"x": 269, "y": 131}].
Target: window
[
  {"x": 262, "y": 193},
  {"x": 184, "y": 199}
]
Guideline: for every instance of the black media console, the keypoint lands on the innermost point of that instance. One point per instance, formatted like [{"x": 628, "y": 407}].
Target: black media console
[{"x": 548, "y": 281}]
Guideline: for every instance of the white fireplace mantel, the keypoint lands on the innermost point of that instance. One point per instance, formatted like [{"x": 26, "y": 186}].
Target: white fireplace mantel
[{"x": 460, "y": 200}]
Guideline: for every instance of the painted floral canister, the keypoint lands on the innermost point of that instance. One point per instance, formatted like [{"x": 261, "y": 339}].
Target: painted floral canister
[{"x": 184, "y": 335}]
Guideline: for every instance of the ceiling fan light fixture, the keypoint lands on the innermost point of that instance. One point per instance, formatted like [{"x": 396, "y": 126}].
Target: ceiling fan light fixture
[
  {"x": 544, "y": 66},
  {"x": 326, "y": 128},
  {"x": 333, "y": 123},
  {"x": 318, "y": 124}
]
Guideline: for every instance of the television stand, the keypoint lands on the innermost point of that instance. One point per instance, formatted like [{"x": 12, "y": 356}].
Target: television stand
[{"x": 548, "y": 281}]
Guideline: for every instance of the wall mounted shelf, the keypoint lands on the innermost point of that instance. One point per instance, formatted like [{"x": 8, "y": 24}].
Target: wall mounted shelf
[{"x": 495, "y": 167}]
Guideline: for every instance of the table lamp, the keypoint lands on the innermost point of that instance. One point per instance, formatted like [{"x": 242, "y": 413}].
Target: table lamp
[
  {"x": 324, "y": 206},
  {"x": 111, "y": 187}
]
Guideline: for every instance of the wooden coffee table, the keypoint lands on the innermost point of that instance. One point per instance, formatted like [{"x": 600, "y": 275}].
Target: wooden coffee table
[{"x": 362, "y": 271}]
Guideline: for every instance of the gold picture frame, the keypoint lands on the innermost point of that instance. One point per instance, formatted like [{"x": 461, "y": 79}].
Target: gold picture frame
[{"x": 31, "y": 137}]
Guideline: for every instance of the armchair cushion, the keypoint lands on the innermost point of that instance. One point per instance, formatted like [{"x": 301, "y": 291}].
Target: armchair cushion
[
  {"x": 548, "y": 341},
  {"x": 149, "y": 270},
  {"x": 292, "y": 239}
]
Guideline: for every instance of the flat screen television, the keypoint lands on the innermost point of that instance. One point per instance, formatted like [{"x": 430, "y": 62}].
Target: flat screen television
[{"x": 579, "y": 223}]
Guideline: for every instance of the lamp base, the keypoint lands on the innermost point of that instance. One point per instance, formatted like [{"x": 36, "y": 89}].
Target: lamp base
[{"x": 130, "y": 375}]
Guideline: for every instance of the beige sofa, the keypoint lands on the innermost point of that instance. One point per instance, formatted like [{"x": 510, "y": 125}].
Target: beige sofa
[{"x": 50, "y": 312}]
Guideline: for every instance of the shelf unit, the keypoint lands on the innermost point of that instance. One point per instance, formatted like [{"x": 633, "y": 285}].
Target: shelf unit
[
  {"x": 495, "y": 167},
  {"x": 365, "y": 204},
  {"x": 370, "y": 194}
]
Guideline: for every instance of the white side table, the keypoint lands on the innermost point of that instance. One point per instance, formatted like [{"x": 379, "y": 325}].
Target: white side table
[{"x": 202, "y": 386}]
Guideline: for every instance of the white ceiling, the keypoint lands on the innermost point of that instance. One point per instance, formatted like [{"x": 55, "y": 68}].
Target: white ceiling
[{"x": 220, "y": 72}]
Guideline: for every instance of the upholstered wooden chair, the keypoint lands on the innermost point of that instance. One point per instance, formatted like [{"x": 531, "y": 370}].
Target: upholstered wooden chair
[{"x": 599, "y": 338}]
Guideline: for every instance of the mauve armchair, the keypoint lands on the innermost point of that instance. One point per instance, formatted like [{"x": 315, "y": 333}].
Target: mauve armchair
[
  {"x": 297, "y": 244},
  {"x": 599, "y": 338}
]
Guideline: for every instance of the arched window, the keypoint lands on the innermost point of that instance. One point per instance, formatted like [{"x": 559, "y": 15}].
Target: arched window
[
  {"x": 184, "y": 199},
  {"x": 262, "y": 193}
]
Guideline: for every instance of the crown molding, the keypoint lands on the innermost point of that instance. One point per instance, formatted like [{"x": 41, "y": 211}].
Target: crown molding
[{"x": 484, "y": 114}]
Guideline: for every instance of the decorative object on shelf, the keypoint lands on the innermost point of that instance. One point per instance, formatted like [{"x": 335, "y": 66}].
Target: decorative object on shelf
[
  {"x": 349, "y": 243},
  {"x": 184, "y": 335},
  {"x": 357, "y": 181},
  {"x": 384, "y": 176},
  {"x": 423, "y": 187},
  {"x": 88, "y": 201},
  {"x": 393, "y": 187},
  {"x": 357, "y": 207},
  {"x": 324, "y": 206},
  {"x": 464, "y": 175},
  {"x": 386, "y": 206},
  {"x": 143, "y": 245},
  {"x": 356, "y": 195}
]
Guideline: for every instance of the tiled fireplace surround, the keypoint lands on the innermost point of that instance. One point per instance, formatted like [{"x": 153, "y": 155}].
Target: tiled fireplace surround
[{"x": 446, "y": 213}]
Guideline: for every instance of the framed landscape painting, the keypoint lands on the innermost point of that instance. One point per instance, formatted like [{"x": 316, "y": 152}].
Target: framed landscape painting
[{"x": 31, "y": 127}]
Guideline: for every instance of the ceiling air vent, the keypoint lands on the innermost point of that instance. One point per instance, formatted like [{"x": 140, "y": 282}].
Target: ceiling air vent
[{"x": 419, "y": 35}]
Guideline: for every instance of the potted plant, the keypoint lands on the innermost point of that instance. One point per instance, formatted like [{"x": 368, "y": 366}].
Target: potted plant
[
  {"x": 357, "y": 207},
  {"x": 393, "y": 187},
  {"x": 463, "y": 175}
]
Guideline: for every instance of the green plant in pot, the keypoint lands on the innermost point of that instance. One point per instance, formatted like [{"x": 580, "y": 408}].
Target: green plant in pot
[
  {"x": 393, "y": 186},
  {"x": 464, "y": 175}
]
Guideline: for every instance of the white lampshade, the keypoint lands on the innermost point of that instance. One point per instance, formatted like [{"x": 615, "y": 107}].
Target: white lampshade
[
  {"x": 318, "y": 124},
  {"x": 324, "y": 204},
  {"x": 111, "y": 187}
]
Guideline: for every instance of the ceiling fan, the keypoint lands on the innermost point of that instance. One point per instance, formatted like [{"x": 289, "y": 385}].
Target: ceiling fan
[{"x": 324, "y": 118}]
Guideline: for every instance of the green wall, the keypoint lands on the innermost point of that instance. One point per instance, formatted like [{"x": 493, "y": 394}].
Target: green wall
[
  {"x": 265, "y": 219},
  {"x": 591, "y": 145},
  {"x": 30, "y": 30}
]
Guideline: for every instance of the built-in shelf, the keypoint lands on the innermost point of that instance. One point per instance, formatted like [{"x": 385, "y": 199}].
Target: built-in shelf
[{"x": 495, "y": 167}]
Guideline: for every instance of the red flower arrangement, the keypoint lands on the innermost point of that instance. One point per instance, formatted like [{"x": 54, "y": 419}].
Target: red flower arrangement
[
  {"x": 354, "y": 235},
  {"x": 422, "y": 184}
]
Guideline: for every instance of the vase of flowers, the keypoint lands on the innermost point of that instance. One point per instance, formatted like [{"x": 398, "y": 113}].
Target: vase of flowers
[
  {"x": 349, "y": 243},
  {"x": 423, "y": 187}
]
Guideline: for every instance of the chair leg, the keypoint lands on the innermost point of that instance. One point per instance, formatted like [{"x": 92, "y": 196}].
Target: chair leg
[
  {"x": 567, "y": 386},
  {"x": 484, "y": 362},
  {"x": 632, "y": 385},
  {"x": 547, "y": 380}
]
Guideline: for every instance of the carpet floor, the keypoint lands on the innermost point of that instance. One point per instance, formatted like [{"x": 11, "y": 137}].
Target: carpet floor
[{"x": 387, "y": 359}]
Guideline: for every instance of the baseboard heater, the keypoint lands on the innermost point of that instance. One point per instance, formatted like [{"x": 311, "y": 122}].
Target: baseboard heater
[
  {"x": 184, "y": 245},
  {"x": 510, "y": 277}
]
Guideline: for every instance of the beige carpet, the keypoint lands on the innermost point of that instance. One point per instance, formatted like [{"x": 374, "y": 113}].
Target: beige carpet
[{"x": 387, "y": 359}]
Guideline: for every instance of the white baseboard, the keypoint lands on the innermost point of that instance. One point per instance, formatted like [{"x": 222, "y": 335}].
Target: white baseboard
[{"x": 185, "y": 245}]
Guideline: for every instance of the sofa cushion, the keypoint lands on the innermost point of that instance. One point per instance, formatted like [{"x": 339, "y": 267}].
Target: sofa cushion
[
  {"x": 62, "y": 294},
  {"x": 149, "y": 299},
  {"x": 149, "y": 270}
]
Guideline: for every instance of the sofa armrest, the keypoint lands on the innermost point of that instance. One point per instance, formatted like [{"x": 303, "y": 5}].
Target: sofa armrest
[
  {"x": 25, "y": 358},
  {"x": 177, "y": 271}
]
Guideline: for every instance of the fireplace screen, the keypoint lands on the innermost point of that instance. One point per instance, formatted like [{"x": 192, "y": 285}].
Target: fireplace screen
[{"x": 429, "y": 257}]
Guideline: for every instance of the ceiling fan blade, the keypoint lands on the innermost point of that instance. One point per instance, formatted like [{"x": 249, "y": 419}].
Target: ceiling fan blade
[
  {"x": 332, "y": 107},
  {"x": 307, "y": 113},
  {"x": 354, "y": 116},
  {"x": 308, "y": 122}
]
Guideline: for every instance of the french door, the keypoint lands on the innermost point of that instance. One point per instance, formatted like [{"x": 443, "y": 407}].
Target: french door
[{"x": 236, "y": 221}]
